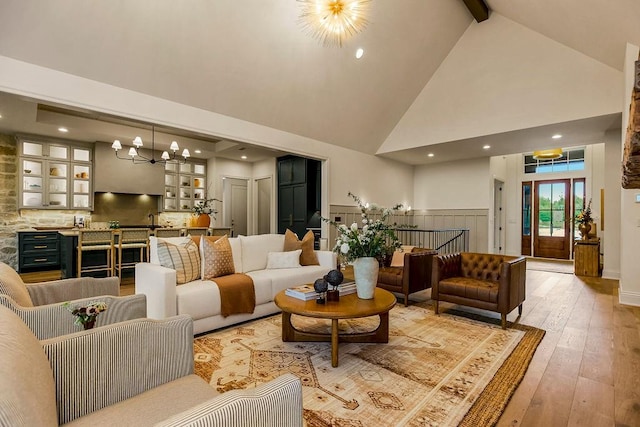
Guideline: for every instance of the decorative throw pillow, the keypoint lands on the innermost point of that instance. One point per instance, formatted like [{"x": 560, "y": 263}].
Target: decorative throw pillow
[
  {"x": 289, "y": 259},
  {"x": 217, "y": 258},
  {"x": 398, "y": 256},
  {"x": 291, "y": 243},
  {"x": 184, "y": 259}
]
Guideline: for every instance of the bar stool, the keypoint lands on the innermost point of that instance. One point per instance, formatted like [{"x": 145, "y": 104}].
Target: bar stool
[
  {"x": 95, "y": 240},
  {"x": 132, "y": 238},
  {"x": 197, "y": 231},
  {"x": 167, "y": 232}
]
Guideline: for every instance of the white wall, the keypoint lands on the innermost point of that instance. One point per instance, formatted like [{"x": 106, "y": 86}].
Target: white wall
[
  {"x": 453, "y": 185},
  {"x": 611, "y": 244},
  {"x": 630, "y": 218},
  {"x": 521, "y": 79},
  {"x": 385, "y": 181}
]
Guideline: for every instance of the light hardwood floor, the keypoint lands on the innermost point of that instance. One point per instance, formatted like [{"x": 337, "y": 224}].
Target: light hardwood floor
[{"x": 586, "y": 371}]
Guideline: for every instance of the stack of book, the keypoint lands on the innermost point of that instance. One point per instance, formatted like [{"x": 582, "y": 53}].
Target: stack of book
[{"x": 306, "y": 292}]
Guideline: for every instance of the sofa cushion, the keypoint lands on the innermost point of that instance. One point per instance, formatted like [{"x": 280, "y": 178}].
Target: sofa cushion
[
  {"x": 256, "y": 248},
  {"x": 283, "y": 259},
  {"x": 292, "y": 243},
  {"x": 152, "y": 406},
  {"x": 236, "y": 252},
  {"x": 466, "y": 287},
  {"x": 184, "y": 259},
  {"x": 217, "y": 259},
  {"x": 11, "y": 284},
  {"x": 201, "y": 298},
  {"x": 289, "y": 277},
  {"x": 28, "y": 392},
  {"x": 481, "y": 266}
]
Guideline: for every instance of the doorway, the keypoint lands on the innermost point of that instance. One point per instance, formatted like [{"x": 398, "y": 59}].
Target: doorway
[
  {"x": 551, "y": 224},
  {"x": 234, "y": 200},
  {"x": 263, "y": 205}
]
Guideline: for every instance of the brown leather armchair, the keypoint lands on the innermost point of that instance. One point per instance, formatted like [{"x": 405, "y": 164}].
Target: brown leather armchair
[
  {"x": 487, "y": 281},
  {"x": 413, "y": 276}
]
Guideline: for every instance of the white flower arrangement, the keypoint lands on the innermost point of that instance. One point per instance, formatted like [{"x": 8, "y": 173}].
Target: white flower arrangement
[
  {"x": 376, "y": 238},
  {"x": 204, "y": 207}
]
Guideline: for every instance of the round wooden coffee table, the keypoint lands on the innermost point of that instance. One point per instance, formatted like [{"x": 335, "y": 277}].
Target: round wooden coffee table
[{"x": 349, "y": 307}]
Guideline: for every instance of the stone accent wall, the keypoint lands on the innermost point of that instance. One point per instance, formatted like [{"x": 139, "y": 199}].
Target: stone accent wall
[{"x": 12, "y": 220}]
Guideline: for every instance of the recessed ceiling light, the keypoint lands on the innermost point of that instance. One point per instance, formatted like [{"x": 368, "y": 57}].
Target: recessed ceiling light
[
  {"x": 0, "y": 116},
  {"x": 63, "y": 130},
  {"x": 243, "y": 157},
  {"x": 359, "y": 53},
  {"x": 430, "y": 155},
  {"x": 197, "y": 151},
  {"x": 556, "y": 136},
  {"x": 486, "y": 147}
]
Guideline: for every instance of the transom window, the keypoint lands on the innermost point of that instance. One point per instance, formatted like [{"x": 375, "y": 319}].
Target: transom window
[{"x": 571, "y": 160}]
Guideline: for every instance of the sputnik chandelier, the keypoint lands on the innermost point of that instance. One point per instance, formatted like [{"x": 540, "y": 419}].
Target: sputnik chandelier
[
  {"x": 333, "y": 21},
  {"x": 136, "y": 157}
]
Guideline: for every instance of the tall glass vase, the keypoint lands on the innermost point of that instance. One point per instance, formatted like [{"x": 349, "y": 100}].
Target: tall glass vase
[{"x": 365, "y": 271}]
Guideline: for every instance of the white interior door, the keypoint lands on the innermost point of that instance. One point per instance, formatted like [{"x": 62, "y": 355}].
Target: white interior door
[{"x": 235, "y": 205}]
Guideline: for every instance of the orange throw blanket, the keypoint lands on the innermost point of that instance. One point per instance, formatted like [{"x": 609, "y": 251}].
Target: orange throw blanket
[{"x": 237, "y": 294}]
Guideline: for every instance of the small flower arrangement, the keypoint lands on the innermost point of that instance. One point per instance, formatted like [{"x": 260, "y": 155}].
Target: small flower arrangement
[
  {"x": 376, "y": 238},
  {"x": 584, "y": 217},
  {"x": 86, "y": 315},
  {"x": 205, "y": 207}
]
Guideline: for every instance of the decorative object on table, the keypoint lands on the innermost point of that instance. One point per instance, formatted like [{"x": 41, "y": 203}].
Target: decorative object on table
[
  {"x": 374, "y": 240},
  {"x": 202, "y": 213},
  {"x": 334, "y": 278},
  {"x": 86, "y": 315},
  {"x": 585, "y": 221},
  {"x": 321, "y": 286}
]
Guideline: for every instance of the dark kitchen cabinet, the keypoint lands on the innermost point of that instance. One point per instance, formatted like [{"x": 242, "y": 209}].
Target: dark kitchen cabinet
[
  {"x": 298, "y": 193},
  {"x": 37, "y": 250}
]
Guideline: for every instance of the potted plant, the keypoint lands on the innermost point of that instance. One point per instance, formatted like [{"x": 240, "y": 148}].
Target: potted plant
[
  {"x": 86, "y": 315},
  {"x": 584, "y": 221},
  {"x": 202, "y": 212},
  {"x": 367, "y": 244}
]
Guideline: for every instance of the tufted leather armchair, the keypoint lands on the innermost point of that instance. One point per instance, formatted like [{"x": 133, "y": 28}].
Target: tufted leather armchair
[
  {"x": 413, "y": 276},
  {"x": 487, "y": 281}
]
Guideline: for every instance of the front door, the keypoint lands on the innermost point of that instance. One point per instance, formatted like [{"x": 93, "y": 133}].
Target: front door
[{"x": 552, "y": 234}]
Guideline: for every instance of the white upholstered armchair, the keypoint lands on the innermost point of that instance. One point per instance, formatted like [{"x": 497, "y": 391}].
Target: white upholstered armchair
[{"x": 39, "y": 305}]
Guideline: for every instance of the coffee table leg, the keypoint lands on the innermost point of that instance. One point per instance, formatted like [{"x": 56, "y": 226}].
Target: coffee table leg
[
  {"x": 334, "y": 342},
  {"x": 288, "y": 333}
]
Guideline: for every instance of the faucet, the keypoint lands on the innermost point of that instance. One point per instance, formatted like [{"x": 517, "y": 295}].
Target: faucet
[{"x": 153, "y": 225}]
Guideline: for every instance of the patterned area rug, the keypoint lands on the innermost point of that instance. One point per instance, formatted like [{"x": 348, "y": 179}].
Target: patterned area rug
[{"x": 436, "y": 370}]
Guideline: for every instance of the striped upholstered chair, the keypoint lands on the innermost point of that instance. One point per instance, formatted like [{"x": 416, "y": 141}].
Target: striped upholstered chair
[
  {"x": 133, "y": 373},
  {"x": 39, "y": 305}
]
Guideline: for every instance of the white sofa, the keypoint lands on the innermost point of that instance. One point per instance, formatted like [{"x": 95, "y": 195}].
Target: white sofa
[{"x": 201, "y": 298}]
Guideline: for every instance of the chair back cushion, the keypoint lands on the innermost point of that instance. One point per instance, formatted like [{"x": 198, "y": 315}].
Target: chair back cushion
[
  {"x": 11, "y": 284},
  {"x": 27, "y": 395},
  {"x": 481, "y": 266}
]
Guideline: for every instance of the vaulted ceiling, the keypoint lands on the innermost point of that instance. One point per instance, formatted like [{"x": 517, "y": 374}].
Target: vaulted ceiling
[{"x": 430, "y": 77}]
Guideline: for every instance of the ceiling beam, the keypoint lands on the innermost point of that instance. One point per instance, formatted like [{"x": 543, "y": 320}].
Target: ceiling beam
[{"x": 478, "y": 9}]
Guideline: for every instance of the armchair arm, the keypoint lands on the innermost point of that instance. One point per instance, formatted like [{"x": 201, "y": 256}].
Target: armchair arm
[
  {"x": 512, "y": 283},
  {"x": 69, "y": 289},
  {"x": 102, "y": 366},
  {"x": 52, "y": 320},
  {"x": 444, "y": 266},
  {"x": 158, "y": 283},
  {"x": 417, "y": 270},
  {"x": 277, "y": 403},
  {"x": 327, "y": 259}
]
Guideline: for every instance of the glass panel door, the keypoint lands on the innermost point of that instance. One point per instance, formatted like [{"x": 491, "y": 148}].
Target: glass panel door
[{"x": 552, "y": 209}]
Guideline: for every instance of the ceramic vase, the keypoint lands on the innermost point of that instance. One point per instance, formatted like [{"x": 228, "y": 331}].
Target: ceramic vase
[
  {"x": 203, "y": 220},
  {"x": 89, "y": 324},
  {"x": 365, "y": 271}
]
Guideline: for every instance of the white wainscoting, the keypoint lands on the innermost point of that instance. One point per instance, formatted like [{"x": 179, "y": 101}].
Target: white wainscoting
[{"x": 476, "y": 220}]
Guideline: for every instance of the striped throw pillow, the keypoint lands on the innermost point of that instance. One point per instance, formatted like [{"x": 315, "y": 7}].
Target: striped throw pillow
[{"x": 184, "y": 259}]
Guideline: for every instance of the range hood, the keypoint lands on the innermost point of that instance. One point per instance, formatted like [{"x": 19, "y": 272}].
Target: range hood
[{"x": 113, "y": 175}]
